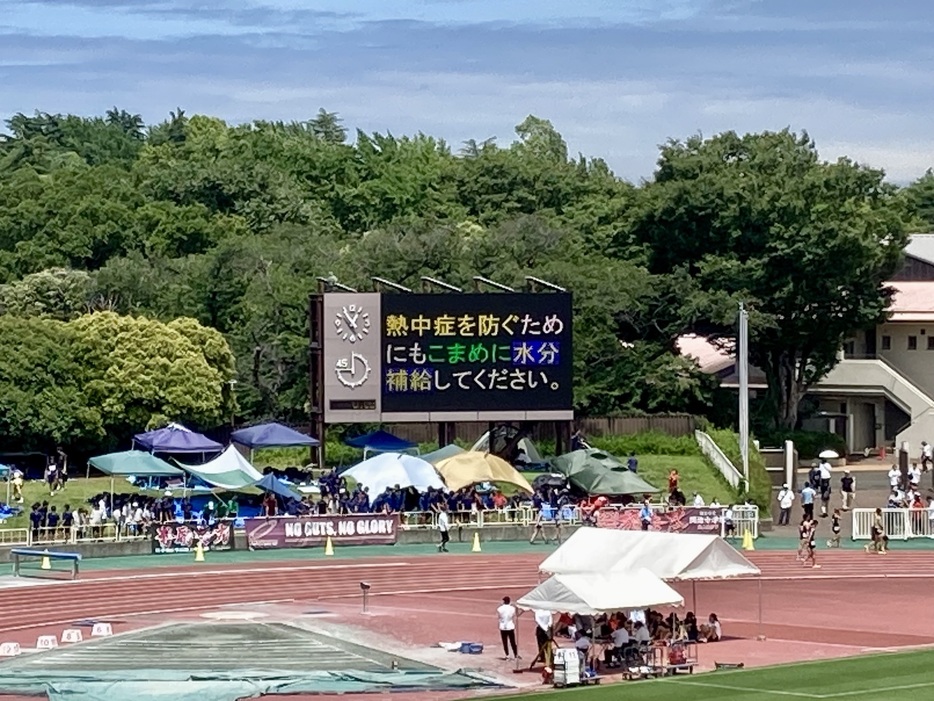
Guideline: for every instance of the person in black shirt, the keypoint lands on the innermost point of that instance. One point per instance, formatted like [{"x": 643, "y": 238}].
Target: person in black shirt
[
  {"x": 834, "y": 541},
  {"x": 35, "y": 521}
]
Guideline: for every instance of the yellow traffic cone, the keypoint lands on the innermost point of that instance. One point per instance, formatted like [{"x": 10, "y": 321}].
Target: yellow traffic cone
[
  {"x": 46, "y": 563},
  {"x": 747, "y": 541},
  {"x": 199, "y": 552},
  {"x": 476, "y": 543},
  {"x": 328, "y": 547}
]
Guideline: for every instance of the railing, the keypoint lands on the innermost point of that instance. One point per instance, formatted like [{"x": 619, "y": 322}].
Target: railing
[
  {"x": 104, "y": 533},
  {"x": 517, "y": 516},
  {"x": 14, "y": 536},
  {"x": 710, "y": 448},
  {"x": 897, "y": 524},
  {"x": 745, "y": 518}
]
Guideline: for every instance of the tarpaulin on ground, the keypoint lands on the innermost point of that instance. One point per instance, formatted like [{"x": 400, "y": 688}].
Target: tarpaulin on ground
[{"x": 225, "y": 686}]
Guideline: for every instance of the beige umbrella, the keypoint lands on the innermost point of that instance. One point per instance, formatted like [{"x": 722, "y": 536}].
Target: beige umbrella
[{"x": 474, "y": 467}]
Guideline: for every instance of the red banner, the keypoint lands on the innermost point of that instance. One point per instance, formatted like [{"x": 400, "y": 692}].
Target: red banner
[
  {"x": 690, "y": 519},
  {"x": 313, "y": 531}
]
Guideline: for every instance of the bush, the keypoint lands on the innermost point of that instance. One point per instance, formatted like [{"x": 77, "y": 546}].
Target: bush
[
  {"x": 760, "y": 484},
  {"x": 647, "y": 443},
  {"x": 809, "y": 443}
]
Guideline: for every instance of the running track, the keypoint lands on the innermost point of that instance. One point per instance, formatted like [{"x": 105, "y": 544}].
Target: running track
[{"x": 110, "y": 594}]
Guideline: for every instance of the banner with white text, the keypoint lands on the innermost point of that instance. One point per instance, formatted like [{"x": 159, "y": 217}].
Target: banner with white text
[{"x": 313, "y": 531}]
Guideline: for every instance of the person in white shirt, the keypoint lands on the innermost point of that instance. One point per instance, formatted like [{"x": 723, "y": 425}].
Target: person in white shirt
[
  {"x": 620, "y": 638},
  {"x": 506, "y": 614},
  {"x": 715, "y": 504},
  {"x": 640, "y": 634},
  {"x": 927, "y": 456},
  {"x": 914, "y": 475},
  {"x": 786, "y": 498},
  {"x": 698, "y": 500},
  {"x": 443, "y": 527},
  {"x": 895, "y": 475},
  {"x": 543, "y": 636}
]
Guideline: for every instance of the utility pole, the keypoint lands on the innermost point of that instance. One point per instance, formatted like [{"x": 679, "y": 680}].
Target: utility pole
[{"x": 742, "y": 362}]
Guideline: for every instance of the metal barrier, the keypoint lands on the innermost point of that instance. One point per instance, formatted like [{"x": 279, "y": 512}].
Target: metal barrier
[
  {"x": 705, "y": 520},
  {"x": 897, "y": 524},
  {"x": 719, "y": 459},
  {"x": 103, "y": 533},
  {"x": 14, "y": 536}
]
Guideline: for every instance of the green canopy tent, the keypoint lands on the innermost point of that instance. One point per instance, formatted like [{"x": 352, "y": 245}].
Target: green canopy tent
[
  {"x": 592, "y": 456},
  {"x": 589, "y": 475},
  {"x": 132, "y": 463}
]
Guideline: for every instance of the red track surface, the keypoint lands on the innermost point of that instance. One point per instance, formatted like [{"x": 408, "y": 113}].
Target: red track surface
[{"x": 841, "y": 608}]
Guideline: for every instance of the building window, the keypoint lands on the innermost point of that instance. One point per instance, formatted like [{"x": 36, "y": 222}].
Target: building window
[
  {"x": 912, "y": 343},
  {"x": 886, "y": 343},
  {"x": 849, "y": 348},
  {"x": 930, "y": 342}
]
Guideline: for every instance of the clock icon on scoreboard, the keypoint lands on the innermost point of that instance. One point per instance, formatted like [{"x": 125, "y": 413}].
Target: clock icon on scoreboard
[
  {"x": 352, "y": 323},
  {"x": 352, "y": 372}
]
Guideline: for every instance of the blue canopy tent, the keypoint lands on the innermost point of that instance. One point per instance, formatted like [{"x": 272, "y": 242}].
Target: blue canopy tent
[
  {"x": 271, "y": 435},
  {"x": 382, "y": 442},
  {"x": 271, "y": 483},
  {"x": 177, "y": 439}
]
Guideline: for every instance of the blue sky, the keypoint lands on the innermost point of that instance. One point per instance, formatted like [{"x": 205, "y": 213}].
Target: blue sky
[{"x": 616, "y": 77}]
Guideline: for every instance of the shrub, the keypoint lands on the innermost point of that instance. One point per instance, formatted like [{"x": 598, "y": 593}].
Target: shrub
[
  {"x": 760, "y": 484},
  {"x": 809, "y": 443},
  {"x": 647, "y": 443}
]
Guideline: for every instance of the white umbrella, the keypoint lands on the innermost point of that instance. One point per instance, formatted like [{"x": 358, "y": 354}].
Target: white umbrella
[
  {"x": 828, "y": 455},
  {"x": 391, "y": 469}
]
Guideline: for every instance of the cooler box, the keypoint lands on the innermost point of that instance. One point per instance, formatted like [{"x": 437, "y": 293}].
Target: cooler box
[{"x": 471, "y": 648}]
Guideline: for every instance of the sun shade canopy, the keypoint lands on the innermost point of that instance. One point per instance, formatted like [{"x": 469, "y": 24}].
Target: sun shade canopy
[
  {"x": 669, "y": 556},
  {"x": 229, "y": 470},
  {"x": 590, "y": 594},
  {"x": 272, "y": 435},
  {"x": 175, "y": 438},
  {"x": 474, "y": 467},
  {"x": 136, "y": 463}
]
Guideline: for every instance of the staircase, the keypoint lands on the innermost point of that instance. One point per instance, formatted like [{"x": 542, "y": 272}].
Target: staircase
[{"x": 859, "y": 375}]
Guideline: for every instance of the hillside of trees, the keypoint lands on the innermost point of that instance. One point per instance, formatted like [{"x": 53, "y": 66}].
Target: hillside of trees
[{"x": 212, "y": 236}]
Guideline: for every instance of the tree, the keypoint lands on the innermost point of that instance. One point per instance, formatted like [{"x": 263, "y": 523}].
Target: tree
[
  {"x": 58, "y": 293},
  {"x": 807, "y": 245},
  {"x": 921, "y": 199},
  {"x": 139, "y": 368},
  {"x": 43, "y": 398},
  {"x": 327, "y": 127}
]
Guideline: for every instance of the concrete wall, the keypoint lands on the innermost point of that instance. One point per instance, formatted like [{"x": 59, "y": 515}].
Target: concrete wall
[{"x": 917, "y": 365}]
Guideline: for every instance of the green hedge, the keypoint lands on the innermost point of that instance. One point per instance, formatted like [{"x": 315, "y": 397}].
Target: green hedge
[
  {"x": 647, "y": 443},
  {"x": 760, "y": 485},
  {"x": 808, "y": 443}
]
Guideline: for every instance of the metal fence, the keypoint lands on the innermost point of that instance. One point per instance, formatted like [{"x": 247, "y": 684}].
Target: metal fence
[
  {"x": 897, "y": 524},
  {"x": 745, "y": 518}
]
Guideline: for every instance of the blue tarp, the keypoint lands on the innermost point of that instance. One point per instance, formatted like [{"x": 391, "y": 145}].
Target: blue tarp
[
  {"x": 271, "y": 436},
  {"x": 381, "y": 442},
  {"x": 271, "y": 483},
  {"x": 176, "y": 439}
]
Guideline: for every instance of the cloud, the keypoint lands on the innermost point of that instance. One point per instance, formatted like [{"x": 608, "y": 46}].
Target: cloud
[{"x": 617, "y": 79}]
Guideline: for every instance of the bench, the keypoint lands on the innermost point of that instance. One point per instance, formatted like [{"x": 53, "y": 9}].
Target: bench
[
  {"x": 688, "y": 666},
  {"x": 18, "y": 553}
]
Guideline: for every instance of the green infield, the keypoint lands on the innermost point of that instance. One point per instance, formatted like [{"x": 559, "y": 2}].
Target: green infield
[{"x": 890, "y": 676}]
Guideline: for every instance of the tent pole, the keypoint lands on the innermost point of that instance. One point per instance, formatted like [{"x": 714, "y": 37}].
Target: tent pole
[
  {"x": 694, "y": 595},
  {"x": 760, "y": 636}
]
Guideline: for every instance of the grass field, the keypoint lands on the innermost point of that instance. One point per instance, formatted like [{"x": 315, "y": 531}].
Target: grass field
[
  {"x": 695, "y": 473},
  {"x": 77, "y": 491},
  {"x": 892, "y": 677}
]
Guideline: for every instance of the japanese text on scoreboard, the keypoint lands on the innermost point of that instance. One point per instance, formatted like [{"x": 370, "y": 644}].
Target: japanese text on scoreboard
[{"x": 476, "y": 352}]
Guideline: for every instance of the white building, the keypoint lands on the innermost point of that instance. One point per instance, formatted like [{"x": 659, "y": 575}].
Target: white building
[{"x": 881, "y": 393}]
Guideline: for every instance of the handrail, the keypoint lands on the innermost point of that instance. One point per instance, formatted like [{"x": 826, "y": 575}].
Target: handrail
[{"x": 715, "y": 454}]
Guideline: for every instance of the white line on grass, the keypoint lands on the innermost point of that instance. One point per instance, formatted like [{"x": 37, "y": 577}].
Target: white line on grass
[
  {"x": 876, "y": 690},
  {"x": 754, "y": 690}
]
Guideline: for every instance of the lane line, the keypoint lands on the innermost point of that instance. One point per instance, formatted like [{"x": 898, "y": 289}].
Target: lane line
[{"x": 730, "y": 687}]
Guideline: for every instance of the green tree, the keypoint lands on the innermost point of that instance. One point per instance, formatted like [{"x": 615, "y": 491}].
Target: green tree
[
  {"x": 807, "y": 245},
  {"x": 139, "y": 368},
  {"x": 58, "y": 293},
  {"x": 921, "y": 199},
  {"x": 43, "y": 399}
]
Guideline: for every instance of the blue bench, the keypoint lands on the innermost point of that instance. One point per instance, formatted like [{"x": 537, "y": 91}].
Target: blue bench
[{"x": 18, "y": 553}]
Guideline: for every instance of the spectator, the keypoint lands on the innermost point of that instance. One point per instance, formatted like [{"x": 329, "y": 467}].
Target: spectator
[
  {"x": 786, "y": 498},
  {"x": 847, "y": 490}
]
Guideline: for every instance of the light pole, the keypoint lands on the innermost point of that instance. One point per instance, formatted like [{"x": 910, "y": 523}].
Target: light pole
[
  {"x": 233, "y": 404},
  {"x": 742, "y": 359}
]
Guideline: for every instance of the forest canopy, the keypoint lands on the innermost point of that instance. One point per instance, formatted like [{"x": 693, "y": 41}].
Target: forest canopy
[{"x": 217, "y": 233}]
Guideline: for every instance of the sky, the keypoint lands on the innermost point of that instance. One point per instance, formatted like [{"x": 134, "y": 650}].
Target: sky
[{"x": 616, "y": 77}]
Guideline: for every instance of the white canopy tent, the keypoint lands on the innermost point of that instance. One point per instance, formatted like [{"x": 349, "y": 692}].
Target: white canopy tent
[
  {"x": 590, "y": 594},
  {"x": 669, "y": 556},
  {"x": 229, "y": 470},
  {"x": 391, "y": 469}
]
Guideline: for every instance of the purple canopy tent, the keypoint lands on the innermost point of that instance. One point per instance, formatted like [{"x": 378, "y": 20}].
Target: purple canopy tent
[
  {"x": 273, "y": 435},
  {"x": 175, "y": 438}
]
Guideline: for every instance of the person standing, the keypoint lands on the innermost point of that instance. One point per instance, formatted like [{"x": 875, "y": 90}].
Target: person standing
[
  {"x": 444, "y": 525},
  {"x": 824, "y": 473},
  {"x": 807, "y": 500},
  {"x": 834, "y": 541},
  {"x": 847, "y": 490},
  {"x": 927, "y": 456},
  {"x": 645, "y": 515},
  {"x": 506, "y": 614},
  {"x": 786, "y": 498},
  {"x": 811, "y": 545},
  {"x": 543, "y": 637}
]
